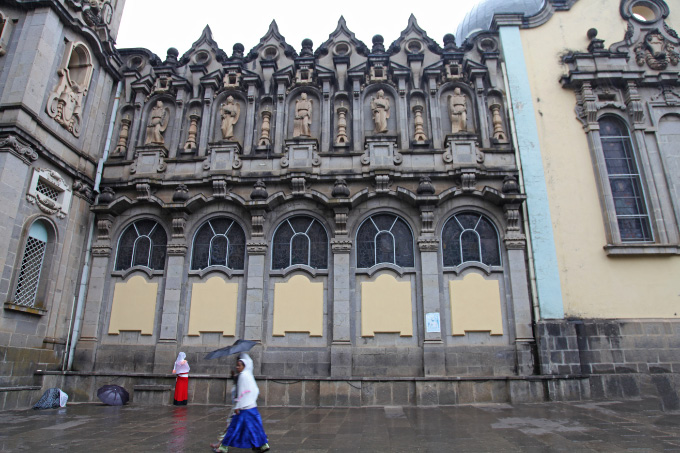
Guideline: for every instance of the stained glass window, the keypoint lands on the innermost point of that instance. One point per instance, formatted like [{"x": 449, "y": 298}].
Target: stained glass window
[
  {"x": 300, "y": 240},
  {"x": 384, "y": 238},
  {"x": 624, "y": 181},
  {"x": 219, "y": 242},
  {"x": 143, "y": 243},
  {"x": 470, "y": 237}
]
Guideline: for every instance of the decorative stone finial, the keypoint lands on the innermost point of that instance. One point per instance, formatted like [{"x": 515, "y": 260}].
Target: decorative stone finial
[
  {"x": 106, "y": 196},
  {"x": 237, "y": 51},
  {"x": 340, "y": 189},
  {"x": 378, "y": 44},
  {"x": 259, "y": 191},
  {"x": 307, "y": 48},
  {"x": 595, "y": 44},
  {"x": 449, "y": 42},
  {"x": 181, "y": 194},
  {"x": 171, "y": 57},
  {"x": 425, "y": 186},
  {"x": 510, "y": 185}
]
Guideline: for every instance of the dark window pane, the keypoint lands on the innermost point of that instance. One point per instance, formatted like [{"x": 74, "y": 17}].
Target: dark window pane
[
  {"x": 158, "y": 257},
  {"x": 403, "y": 240},
  {"x": 125, "y": 248},
  {"x": 384, "y": 221},
  {"x": 281, "y": 247},
  {"x": 319, "y": 243},
  {"x": 146, "y": 226},
  {"x": 384, "y": 248},
  {"x": 300, "y": 250},
  {"x": 142, "y": 251},
  {"x": 199, "y": 257},
  {"x": 489, "y": 241},
  {"x": 612, "y": 128},
  {"x": 451, "y": 243},
  {"x": 300, "y": 223},
  {"x": 218, "y": 251},
  {"x": 366, "y": 245},
  {"x": 470, "y": 242},
  {"x": 634, "y": 229},
  {"x": 469, "y": 221},
  {"x": 237, "y": 247}
]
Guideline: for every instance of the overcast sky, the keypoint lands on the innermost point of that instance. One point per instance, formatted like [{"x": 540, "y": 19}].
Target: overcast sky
[{"x": 159, "y": 24}]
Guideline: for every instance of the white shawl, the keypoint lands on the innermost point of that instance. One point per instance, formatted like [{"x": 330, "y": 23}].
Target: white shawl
[
  {"x": 246, "y": 388},
  {"x": 181, "y": 365}
]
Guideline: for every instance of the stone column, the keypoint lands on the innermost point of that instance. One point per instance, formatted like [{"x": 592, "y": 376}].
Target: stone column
[
  {"x": 433, "y": 346},
  {"x": 166, "y": 348},
  {"x": 86, "y": 347},
  {"x": 257, "y": 251},
  {"x": 341, "y": 346},
  {"x": 515, "y": 244}
]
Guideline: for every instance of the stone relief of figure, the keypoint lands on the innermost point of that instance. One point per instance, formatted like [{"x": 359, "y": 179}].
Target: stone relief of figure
[
  {"x": 303, "y": 117},
  {"x": 380, "y": 107},
  {"x": 230, "y": 112},
  {"x": 65, "y": 103},
  {"x": 458, "y": 111},
  {"x": 158, "y": 123}
]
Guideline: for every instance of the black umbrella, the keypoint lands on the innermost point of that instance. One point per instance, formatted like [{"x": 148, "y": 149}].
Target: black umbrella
[
  {"x": 113, "y": 395},
  {"x": 239, "y": 346}
]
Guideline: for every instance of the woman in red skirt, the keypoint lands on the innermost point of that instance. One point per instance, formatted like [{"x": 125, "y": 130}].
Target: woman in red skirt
[{"x": 182, "y": 385}]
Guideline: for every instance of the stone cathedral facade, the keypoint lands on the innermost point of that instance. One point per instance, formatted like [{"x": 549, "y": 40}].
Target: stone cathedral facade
[{"x": 380, "y": 219}]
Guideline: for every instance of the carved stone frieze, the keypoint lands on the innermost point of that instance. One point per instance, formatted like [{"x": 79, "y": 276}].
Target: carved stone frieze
[
  {"x": 49, "y": 192},
  {"x": 428, "y": 244},
  {"x": 177, "y": 249},
  {"x": 634, "y": 103},
  {"x": 341, "y": 215},
  {"x": 179, "y": 223},
  {"x": 341, "y": 245},
  {"x": 101, "y": 251},
  {"x": 468, "y": 181},
  {"x": 219, "y": 188},
  {"x": 83, "y": 190},
  {"x": 298, "y": 186},
  {"x": 382, "y": 183},
  {"x": 104, "y": 225},
  {"x": 656, "y": 51},
  {"x": 257, "y": 221},
  {"x": 256, "y": 248},
  {"x": 143, "y": 191},
  {"x": 22, "y": 151}
]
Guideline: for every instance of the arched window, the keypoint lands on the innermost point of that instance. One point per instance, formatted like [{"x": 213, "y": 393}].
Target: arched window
[
  {"x": 300, "y": 240},
  {"x": 624, "y": 182},
  {"x": 32, "y": 263},
  {"x": 142, "y": 244},
  {"x": 219, "y": 242},
  {"x": 470, "y": 237},
  {"x": 384, "y": 238}
]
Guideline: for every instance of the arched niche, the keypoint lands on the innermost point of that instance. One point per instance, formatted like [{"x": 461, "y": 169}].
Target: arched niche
[
  {"x": 124, "y": 121},
  {"x": 372, "y": 95},
  {"x": 263, "y": 133},
  {"x": 341, "y": 117},
  {"x": 418, "y": 116},
  {"x": 158, "y": 119},
  {"x": 446, "y": 95},
  {"x": 233, "y": 105},
  {"x": 295, "y": 99},
  {"x": 496, "y": 117}
]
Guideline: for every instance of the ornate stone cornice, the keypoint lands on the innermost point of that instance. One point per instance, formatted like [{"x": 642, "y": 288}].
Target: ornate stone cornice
[
  {"x": 428, "y": 244},
  {"x": 515, "y": 241},
  {"x": 101, "y": 251},
  {"x": 256, "y": 248},
  {"x": 14, "y": 146},
  {"x": 177, "y": 249},
  {"x": 341, "y": 245}
]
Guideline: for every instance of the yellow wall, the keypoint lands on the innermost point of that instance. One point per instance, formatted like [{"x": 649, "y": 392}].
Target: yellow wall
[
  {"x": 593, "y": 285},
  {"x": 134, "y": 306},
  {"x": 298, "y": 307},
  {"x": 386, "y": 307},
  {"x": 475, "y": 305},
  {"x": 213, "y": 307}
]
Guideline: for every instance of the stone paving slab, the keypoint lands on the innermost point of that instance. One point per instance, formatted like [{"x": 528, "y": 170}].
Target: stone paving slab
[{"x": 613, "y": 426}]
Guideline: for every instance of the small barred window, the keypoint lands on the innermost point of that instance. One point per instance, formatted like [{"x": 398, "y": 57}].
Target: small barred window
[
  {"x": 219, "y": 242},
  {"x": 384, "y": 238},
  {"x": 31, "y": 266},
  {"x": 47, "y": 190},
  {"x": 300, "y": 240},
  {"x": 470, "y": 237},
  {"x": 142, "y": 244}
]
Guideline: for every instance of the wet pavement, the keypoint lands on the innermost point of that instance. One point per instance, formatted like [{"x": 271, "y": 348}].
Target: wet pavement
[{"x": 615, "y": 426}]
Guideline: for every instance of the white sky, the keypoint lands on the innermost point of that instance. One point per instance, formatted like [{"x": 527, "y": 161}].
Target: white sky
[{"x": 159, "y": 24}]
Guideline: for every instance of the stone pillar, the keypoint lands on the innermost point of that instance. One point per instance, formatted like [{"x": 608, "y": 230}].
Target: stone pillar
[
  {"x": 515, "y": 244},
  {"x": 86, "y": 347},
  {"x": 257, "y": 251},
  {"x": 341, "y": 346},
  {"x": 166, "y": 347},
  {"x": 433, "y": 347}
]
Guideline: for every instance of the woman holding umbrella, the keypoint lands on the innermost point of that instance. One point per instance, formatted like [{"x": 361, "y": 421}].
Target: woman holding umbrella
[
  {"x": 182, "y": 385},
  {"x": 245, "y": 429}
]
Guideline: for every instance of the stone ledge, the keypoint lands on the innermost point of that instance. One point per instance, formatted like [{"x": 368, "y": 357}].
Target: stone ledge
[
  {"x": 152, "y": 388},
  {"x": 21, "y": 388}
]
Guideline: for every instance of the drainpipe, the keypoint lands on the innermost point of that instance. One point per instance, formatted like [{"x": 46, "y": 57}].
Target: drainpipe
[
  {"x": 525, "y": 217},
  {"x": 84, "y": 279}
]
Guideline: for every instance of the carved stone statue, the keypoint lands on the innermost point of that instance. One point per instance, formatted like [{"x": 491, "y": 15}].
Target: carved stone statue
[
  {"x": 303, "y": 117},
  {"x": 380, "y": 107},
  {"x": 230, "y": 112},
  {"x": 458, "y": 111},
  {"x": 158, "y": 123},
  {"x": 264, "y": 129}
]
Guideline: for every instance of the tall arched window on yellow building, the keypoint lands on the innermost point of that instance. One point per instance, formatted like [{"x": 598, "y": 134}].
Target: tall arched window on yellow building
[{"x": 624, "y": 181}]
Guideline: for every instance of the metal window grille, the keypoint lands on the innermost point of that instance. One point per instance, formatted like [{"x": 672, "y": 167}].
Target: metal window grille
[
  {"x": 46, "y": 190},
  {"x": 29, "y": 276}
]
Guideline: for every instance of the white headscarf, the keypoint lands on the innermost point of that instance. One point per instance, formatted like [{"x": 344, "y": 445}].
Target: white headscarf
[
  {"x": 246, "y": 389},
  {"x": 181, "y": 365}
]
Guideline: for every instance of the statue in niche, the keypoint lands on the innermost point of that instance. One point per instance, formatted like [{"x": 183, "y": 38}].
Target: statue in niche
[
  {"x": 458, "y": 111},
  {"x": 380, "y": 107},
  {"x": 303, "y": 117},
  {"x": 230, "y": 112},
  {"x": 158, "y": 123}
]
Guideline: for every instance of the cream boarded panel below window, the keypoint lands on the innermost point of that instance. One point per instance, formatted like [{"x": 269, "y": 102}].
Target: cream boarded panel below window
[
  {"x": 134, "y": 306},
  {"x": 298, "y": 307},
  {"x": 386, "y": 307},
  {"x": 213, "y": 307},
  {"x": 475, "y": 305}
]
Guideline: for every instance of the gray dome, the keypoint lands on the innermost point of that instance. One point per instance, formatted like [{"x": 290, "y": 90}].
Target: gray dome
[{"x": 480, "y": 16}]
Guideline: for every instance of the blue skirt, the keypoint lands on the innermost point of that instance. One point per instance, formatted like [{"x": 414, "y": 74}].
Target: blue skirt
[{"x": 245, "y": 430}]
